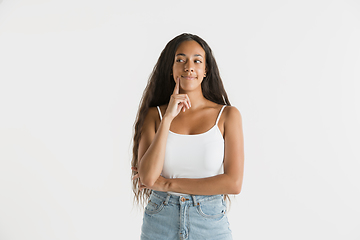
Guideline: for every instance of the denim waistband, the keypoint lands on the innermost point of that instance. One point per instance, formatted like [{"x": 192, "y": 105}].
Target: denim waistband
[{"x": 192, "y": 199}]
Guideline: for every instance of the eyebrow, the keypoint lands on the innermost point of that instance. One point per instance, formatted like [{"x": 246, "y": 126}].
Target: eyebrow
[{"x": 196, "y": 55}]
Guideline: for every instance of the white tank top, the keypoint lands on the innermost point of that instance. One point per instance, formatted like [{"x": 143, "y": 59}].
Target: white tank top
[{"x": 194, "y": 156}]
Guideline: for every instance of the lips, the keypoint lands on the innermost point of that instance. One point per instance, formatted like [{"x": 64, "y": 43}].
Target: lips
[{"x": 188, "y": 77}]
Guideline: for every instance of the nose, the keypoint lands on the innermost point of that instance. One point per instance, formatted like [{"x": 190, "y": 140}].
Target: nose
[{"x": 188, "y": 67}]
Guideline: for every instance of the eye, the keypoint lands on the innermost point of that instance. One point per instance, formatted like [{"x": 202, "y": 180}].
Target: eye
[
  {"x": 179, "y": 60},
  {"x": 198, "y": 61}
]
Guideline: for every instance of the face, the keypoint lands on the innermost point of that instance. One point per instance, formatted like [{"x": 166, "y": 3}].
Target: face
[{"x": 189, "y": 65}]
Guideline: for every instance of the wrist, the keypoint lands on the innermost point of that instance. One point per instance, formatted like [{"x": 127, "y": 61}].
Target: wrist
[
  {"x": 168, "y": 184},
  {"x": 167, "y": 119}
]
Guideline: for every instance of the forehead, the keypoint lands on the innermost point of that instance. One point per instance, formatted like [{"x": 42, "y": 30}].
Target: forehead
[{"x": 190, "y": 48}]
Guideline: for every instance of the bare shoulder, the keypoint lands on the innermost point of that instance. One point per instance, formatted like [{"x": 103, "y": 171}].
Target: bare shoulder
[
  {"x": 154, "y": 116},
  {"x": 151, "y": 114},
  {"x": 150, "y": 119},
  {"x": 232, "y": 111},
  {"x": 232, "y": 116}
]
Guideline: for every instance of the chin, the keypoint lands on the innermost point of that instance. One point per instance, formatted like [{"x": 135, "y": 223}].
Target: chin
[{"x": 191, "y": 88}]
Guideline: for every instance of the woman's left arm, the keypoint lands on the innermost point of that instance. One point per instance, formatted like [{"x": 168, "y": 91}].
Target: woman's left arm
[{"x": 230, "y": 181}]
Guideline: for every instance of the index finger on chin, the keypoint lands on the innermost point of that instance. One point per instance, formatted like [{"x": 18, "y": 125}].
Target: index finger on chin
[{"x": 177, "y": 87}]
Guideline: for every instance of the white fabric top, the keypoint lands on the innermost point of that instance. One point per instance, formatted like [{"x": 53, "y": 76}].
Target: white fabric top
[{"x": 194, "y": 156}]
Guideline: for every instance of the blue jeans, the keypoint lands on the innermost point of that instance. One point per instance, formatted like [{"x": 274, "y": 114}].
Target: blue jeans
[{"x": 190, "y": 217}]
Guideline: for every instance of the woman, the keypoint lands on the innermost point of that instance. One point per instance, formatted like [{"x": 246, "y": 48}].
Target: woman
[{"x": 188, "y": 150}]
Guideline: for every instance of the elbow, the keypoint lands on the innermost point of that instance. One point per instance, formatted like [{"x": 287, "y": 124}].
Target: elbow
[
  {"x": 236, "y": 189},
  {"x": 234, "y": 185},
  {"x": 148, "y": 182},
  {"x": 146, "y": 179}
]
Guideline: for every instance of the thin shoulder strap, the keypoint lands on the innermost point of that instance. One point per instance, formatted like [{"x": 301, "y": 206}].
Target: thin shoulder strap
[
  {"x": 217, "y": 120},
  {"x": 159, "y": 112}
]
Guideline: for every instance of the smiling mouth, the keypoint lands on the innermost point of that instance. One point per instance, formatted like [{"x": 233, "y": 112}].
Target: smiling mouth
[{"x": 188, "y": 77}]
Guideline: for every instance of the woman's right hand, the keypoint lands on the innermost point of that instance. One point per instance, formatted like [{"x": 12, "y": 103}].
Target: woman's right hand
[{"x": 177, "y": 102}]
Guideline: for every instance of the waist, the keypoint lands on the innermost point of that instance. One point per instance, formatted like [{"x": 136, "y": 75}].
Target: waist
[{"x": 189, "y": 198}]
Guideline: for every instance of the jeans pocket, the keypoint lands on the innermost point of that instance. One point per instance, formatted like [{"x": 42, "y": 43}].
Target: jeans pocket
[
  {"x": 154, "y": 206},
  {"x": 214, "y": 209}
]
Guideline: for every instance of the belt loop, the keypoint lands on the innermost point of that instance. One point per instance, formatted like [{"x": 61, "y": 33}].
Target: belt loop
[
  {"x": 194, "y": 200},
  {"x": 167, "y": 199}
]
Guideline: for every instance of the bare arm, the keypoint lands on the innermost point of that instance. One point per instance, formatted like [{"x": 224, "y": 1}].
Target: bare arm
[
  {"x": 219, "y": 184},
  {"x": 152, "y": 149},
  {"x": 152, "y": 145}
]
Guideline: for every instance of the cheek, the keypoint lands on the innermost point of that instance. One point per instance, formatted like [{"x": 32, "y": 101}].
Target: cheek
[
  {"x": 175, "y": 68},
  {"x": 175, "y": 72}
]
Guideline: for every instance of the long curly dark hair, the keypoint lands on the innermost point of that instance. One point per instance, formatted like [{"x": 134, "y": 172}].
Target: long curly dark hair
[{"x": 160, "y": 87}]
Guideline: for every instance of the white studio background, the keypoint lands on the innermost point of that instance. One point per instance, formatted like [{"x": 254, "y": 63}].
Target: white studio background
[{"x": 71, "y": 77}]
